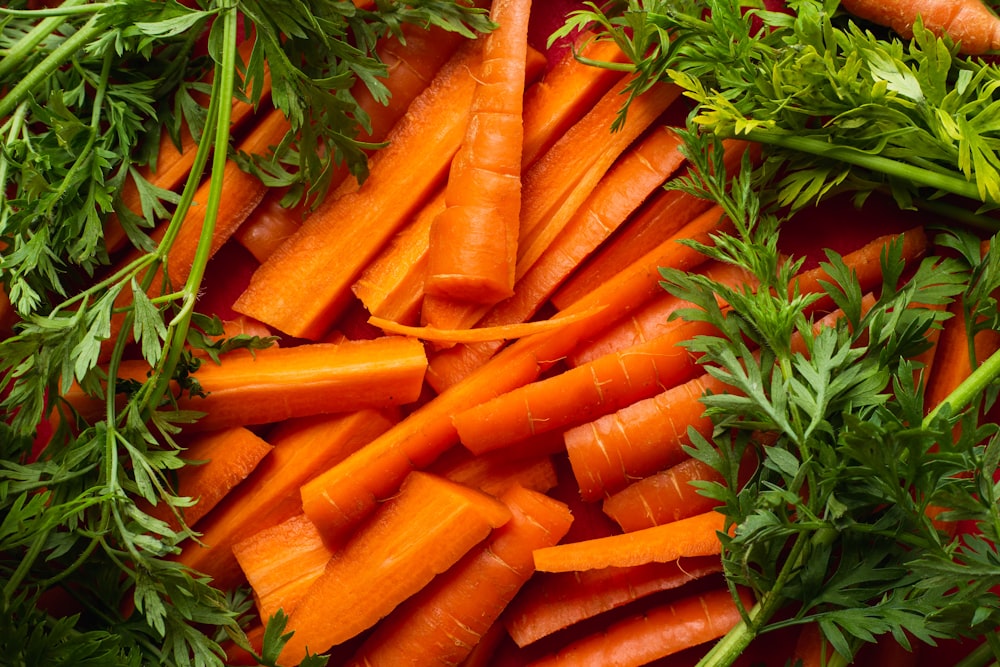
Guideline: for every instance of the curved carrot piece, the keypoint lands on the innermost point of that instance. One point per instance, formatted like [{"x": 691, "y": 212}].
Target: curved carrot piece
[
  {"x": 970, "y": 23},
  {"x": 500, "y": 332},
  {"x": 444, "y": 621},
  {"x": 473, "y": 242},
  {"x": 695, "y": 536}
]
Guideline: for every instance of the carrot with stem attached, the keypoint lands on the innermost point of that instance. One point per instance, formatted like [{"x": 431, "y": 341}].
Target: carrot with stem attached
[
  {"x": 473, "y": 241},
  {"x": 655, "y": 633},
  {"x": 425, "y": 529},
  {"x": 554, "y": 601},
  {"x": 969, "y": 23},
  {"x": 443, "y": 622}
]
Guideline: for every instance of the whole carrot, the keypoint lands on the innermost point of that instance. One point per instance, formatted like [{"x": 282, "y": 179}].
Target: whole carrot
[{"x": 970, "y": 23}]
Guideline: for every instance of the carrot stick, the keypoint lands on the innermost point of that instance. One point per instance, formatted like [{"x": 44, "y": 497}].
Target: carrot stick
[
  {"x": 473, "y": 242},
  {"x": 268, "y": 226},
  {"x": 657, "y": 633},
  {"x": 638, "y": 173},
  {"x": 340, "y": 497},
  {"x": 969, "y": 23},
  {"x": 301, "y": 449},
  {"x": 662, "y": 497},
  {"x": 500, "y": 332},
  {"x": 416, "y": 535},
  {"x": 444, "y": 621},
  {"x": 554, "y": 601},
  {"x": 391, "y": 286},
  {"x": 281, "y": 563},
  {"x": 495, "y": 472},
  {"x": 219, "y": 461},
  {"x": 583, "y": 393},
  {"x": 647, "y": 229},
  {"x": 302, "y": 288},
  {"x": 638, "y": 439},
  {"x": 694, "y": 536},
  {"x": 281, "y": 383}
]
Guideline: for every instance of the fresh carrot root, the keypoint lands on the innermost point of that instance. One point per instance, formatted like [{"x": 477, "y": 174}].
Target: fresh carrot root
[
  {"x": 421, "y": 532},
  {"x": 473, "y": 242},
  {"x": 444, "y": 621},
  {"x": 495, "y": 473},
  {"x": 219, "y": 461},
  {"x": 554, "y": 601},
  {"x": 281, "y": 563},
  {"x": 687, "y": 538},
  {"x": 969, "y": 23},
  {"x": 301, "y": 448},
  {"x": 656, "y": 633},
  {"x": 268, "y": 226},
  {"x": 639, "y": 439}
]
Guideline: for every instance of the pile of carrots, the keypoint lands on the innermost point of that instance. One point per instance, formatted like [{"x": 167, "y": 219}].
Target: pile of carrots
[{"x": 466, "y": 447}]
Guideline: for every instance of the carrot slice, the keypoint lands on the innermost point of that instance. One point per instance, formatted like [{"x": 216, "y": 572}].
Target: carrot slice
[
  {"x": 444, "y": 621},
  {"x": 416, "y": 535},
  {"x": 656, "y": 633},
  {"x": 305, "y": 285},
  {"x": 473, "y": 242},
  {"x": 695, "y": 536}
]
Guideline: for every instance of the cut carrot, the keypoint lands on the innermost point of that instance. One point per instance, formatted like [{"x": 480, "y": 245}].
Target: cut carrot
[
  {"x": 305, "y": 285},
  {"x": 473, "y": 242},
  {"x": 663, "y": 497},
  {"x": 495, "y": 472},
  {"x": 419, "y": 533},
  {"x": 970, "y": 23},
  {"x": 281, "y": 563},
  {"x": 694, "y": 536},
  {"x": 340, "y": 497},
  {"x": 554, "y": 601},
  {"x": 656, "y": 633},
  {"x": 301, "y": 449},
  {"x": 444, "y": 621},
  {"x": 583, "y": 393},
  {"x": 268, "y": 226},
  {"x": 500, "y": 332},
  {"x": 811, "y": 648},
  {"x": 219, "y": 460},
  {"x": 639, "y": 439},
  {"x": 281, "y": 383}
]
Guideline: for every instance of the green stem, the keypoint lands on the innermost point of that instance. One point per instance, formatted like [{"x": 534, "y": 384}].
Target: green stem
[
  {"x": 43, "y": 70},
  {"x": 922, "y": 177},
  {"x": 963, "y": 395},
  {"x": 16, "y": 125},
  {"x": 24, "y": 46}
]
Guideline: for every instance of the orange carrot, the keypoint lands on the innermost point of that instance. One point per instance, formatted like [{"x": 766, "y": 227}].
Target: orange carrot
[
  {"x": 639, "y": 439},
  {"x": 305, "y": 285},
  {"x": 473, "y": 242},
  {"x": 281, "y": 563},
  {"x": 969, "y": 23},
  {"x": 500, "y": 332},
  {"x": 694, "y": 536},
  {"x": 280, "y": 383},
  {"x": 553, "y": 601},
  {"x": 583, "y": 393},
  {"x": 638, "y": 173},
  {"x": 648, "y": 228},
  {"x": 444, "y": 621},
  {"x": 419, "y": 533},
  {"x": 495, "y": 472},
  {"x": 653, "y": 634},
  {"x": 811, "y": 648},
  {"x": 268, "y": 226},
  {"x": 340, "y": 497},
  {"x": 219, "y": 460},
  {"x": 663, "y": 497},
  {"x": 301, "y": 448}
]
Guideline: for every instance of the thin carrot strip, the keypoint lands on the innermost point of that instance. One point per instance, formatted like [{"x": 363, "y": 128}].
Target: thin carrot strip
[
  {"x": 421, "y": 532},
  {"x": 665, "y": 496},
  {"x": 554, "y": 601},
  {"x": 219, "y": 460},
  {"x": 281, "y": 383},
  {"x": 473, "y": 242},
  {"x": 694, "y": 536},
  {"x": 637, "y": 173},
  {"x": 281, "y": 563},
  {"x": 654, "y": 634},
  {"x": 638, "y": 439},
  {"x": 303, "y": 287},
  {"x": 301, "y": 448},
  {"x": 501, "y": 332},
  {"x": 340, "y": 497},
  {"x": 444, "y": 621}
]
